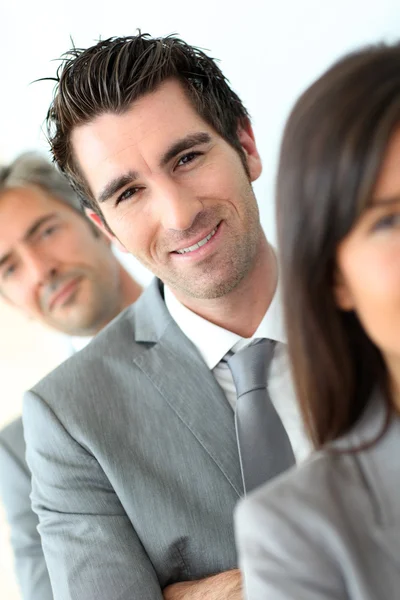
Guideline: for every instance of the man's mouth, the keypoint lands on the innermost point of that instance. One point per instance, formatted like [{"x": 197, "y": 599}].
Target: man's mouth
[
  {"x": 198, "y": 244},
  {"x": 64, "y": 293}
]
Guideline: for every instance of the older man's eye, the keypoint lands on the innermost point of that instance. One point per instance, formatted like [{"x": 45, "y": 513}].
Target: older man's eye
[
  {"x": 48, "y": 231},
  {"x": 9, "y": 271}
]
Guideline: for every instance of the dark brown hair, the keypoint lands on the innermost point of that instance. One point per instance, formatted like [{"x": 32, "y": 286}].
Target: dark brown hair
[
  {"x": 111, "y": 75},
  {"x": 331, "y": 154}
]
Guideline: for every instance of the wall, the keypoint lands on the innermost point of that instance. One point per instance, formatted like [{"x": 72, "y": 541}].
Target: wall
[{"x": 269, "y": 50}]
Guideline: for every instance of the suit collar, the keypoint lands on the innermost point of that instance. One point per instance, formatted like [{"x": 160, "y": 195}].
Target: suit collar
[
  {"x": 379, "y": 462},
  {"x": 214, "y": 342},
  {"x": 196, "y": 398},
  {"x": 150, "y": 313}
]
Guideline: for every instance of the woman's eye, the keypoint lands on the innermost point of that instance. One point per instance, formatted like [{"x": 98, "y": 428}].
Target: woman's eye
[
  {"x": 126, "y": 195},
  {"x": 387, "y": 221},
  {"x": 188, "y": 158}
]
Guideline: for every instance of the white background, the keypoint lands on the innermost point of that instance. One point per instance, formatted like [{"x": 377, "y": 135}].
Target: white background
[{"x": 270, "y": 50}]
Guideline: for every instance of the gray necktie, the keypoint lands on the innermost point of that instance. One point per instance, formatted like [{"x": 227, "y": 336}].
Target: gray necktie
[{"x": 264, "y": 446}]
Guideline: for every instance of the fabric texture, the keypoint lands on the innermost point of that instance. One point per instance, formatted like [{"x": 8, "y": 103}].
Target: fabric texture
[
  {"x": 329, "y": 529},
  {"x": 15, "y": 489},
  {"x": 214, "y": 343},
  {"x": 135, "y": 466},
  {"x": 264, "y": 446}
]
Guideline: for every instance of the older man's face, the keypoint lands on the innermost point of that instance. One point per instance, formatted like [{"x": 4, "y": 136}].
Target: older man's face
[{"x": 53, "y": 266}]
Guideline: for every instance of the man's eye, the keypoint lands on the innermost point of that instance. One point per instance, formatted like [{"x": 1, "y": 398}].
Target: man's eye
[
  {"x": 126, "y": 195},
  {"x": 9, "y": 271},
  {"x": 48, "y": 231},
  {"x": 188, "y": 158}
]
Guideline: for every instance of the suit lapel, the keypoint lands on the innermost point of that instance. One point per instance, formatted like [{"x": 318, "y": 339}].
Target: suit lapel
[
  {"x": 178, "y": 372},
  {"x": 379, "y": 462}
]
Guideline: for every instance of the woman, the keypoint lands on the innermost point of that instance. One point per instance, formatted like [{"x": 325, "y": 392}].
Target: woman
[{"x": 330, "y": 529}]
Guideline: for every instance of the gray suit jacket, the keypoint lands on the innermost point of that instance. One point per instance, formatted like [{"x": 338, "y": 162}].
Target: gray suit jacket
[
  {"x": 329, "y": 529},
  {"x": 15, "y": 489},
  {"x": 136, "y": 474}
]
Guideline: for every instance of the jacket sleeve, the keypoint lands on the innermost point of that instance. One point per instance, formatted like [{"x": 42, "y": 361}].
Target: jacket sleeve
[
  {"x": 91, "y": 548},
  {"x": 15, "y": 489},
  {"x": 281, "y": 554}
]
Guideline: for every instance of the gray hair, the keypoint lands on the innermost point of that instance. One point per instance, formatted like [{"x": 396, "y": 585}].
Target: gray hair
[{"x": 30, "y": 169}]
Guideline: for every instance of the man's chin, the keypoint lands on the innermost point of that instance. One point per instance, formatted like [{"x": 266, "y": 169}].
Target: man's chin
[
  {"x": 69, "y": 324},
  {"x": 205, "y": 289}
]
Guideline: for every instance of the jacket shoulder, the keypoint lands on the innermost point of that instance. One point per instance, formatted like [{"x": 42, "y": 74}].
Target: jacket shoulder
[
  {"x": 115, "y": 338},
  {"x": 12, "y": 437},
  {"x": 311, "y": 493},
  {"x": 12, "y": 443}
]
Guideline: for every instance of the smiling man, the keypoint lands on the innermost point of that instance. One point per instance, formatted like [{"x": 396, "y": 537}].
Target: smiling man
[
  {"x": 143, "y": 468},
  {"x": 56, "y": 268}
]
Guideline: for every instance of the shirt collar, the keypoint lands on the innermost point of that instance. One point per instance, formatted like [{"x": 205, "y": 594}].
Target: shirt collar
[
  {"x": 214, "y": 342},
  {"x": 79, "y": 342}
]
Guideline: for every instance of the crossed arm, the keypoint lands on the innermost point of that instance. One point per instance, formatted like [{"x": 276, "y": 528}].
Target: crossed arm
[
  {"x": 91, "y": 548},
  {"x": 224, "y": 586}
]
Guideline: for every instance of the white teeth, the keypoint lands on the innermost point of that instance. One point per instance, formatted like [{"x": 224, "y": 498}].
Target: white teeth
[{"x": 199, "y": 244}]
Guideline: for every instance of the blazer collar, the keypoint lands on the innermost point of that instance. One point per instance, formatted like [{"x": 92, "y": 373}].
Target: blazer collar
[
  {"x": 176, "y": 369},
  {"x": 380, "y": 462},
  {"x": 151, "y": 316}
]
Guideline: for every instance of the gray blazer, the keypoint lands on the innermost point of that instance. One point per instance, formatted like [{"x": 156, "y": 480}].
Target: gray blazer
[
  {"x": 15, "y": 489},
  {"x": 132, "y": 447},
  {"x": 329, "y": 529}
]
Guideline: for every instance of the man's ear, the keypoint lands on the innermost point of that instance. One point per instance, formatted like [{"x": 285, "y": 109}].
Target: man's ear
[
  {"x": 96, "y": 219},
  {"x": 248, "y": 143},
  {"x": 342, "y": 293}
]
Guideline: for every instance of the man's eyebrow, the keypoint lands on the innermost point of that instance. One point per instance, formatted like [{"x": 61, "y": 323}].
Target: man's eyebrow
[
  {"x": 116, "y": 184},
  {"x": 121, "y": 181},
  {"x": 185, "y": 143},
  {"x": 29, "y": 233},
  {"x": 37, "y": 225},
  {"x": 5, "y": 258}
]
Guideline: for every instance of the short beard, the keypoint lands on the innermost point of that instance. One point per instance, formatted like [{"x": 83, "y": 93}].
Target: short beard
[{"x": 239, "y": 266}]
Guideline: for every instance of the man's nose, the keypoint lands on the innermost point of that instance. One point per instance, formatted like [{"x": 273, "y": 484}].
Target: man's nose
[
  {"x": 178, "y": 208},
  {"x": 39, "y": 266}
]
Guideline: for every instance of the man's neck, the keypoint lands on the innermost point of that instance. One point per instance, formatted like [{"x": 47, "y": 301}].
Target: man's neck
[{"x": 242, "y": 310}]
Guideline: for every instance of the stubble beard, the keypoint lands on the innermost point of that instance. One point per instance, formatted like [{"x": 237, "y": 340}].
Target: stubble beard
[
  {"x": 222, "y": 273},
  {"x": 90, "y": 312}
]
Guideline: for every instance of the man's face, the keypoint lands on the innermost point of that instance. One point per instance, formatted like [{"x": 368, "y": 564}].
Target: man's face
[
  {"x": 173, "y": 192},
  {"x": 53, "y": 266}
]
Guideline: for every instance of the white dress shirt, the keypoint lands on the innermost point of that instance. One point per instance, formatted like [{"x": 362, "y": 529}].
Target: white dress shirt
[
  {"x": 79, "y": 342},
  {"x": 214, "y": 342}
]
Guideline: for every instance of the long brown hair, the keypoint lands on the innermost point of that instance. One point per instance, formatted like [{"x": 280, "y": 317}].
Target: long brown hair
[{"x": 331, "y": 154}]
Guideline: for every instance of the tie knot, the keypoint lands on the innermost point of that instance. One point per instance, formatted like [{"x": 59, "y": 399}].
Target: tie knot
[{"x": 250, "y": 366}]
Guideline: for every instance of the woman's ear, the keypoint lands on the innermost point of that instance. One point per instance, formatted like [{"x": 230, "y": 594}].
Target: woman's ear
[
  {"x": 247, "y": 141},
  {"x": 342, "y": 293},
  {"x": 96, "y": 219}
]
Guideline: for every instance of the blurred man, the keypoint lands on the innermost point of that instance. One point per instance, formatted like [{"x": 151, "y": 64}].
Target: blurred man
[
  {"x": 56, "y": 267},
  {"x": 137, "y": 480}
]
